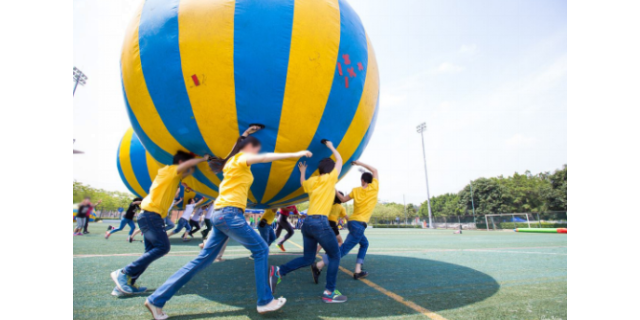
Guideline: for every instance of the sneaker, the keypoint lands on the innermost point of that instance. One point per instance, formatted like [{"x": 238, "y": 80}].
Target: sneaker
[
  {"x": 117, "y": 293},
  {"x": 85, "y": 232},
  {"x": 122, "y": 281},
  {"x": 137, "y": 289},
  {"x": 334, "y": 297},
  {"x": 362, "y": 274},
  {"x": 156, "y": 312},
  {"x": 109, "y": 228},
  {"x": 281, "y": 247},
  {"x": 315, "y": 272},
  {"x": 130, "y": 239},
  {"x": 77, "y": 234},
  {"x": 267, "y": 308},
  {"x": 274, "y": 278},
  {"x": 107, "y": 235}
]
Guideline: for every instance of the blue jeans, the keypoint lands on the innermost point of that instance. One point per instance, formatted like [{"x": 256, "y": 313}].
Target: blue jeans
[
  {"x": 156, "y": 243},
  {"x": 168, "y": 223},
  {"x": 316, "y": 230},
  {"x": 267, "y": 234},
  {"x": 356, "y": 236},
  {"x": 124, "y": 222},
  {"x": 228, "y": 222},
  {"x": 182, "y": 223}
]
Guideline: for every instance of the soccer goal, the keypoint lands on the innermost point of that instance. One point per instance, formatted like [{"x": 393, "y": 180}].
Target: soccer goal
[{"x": 507, "y": 220}]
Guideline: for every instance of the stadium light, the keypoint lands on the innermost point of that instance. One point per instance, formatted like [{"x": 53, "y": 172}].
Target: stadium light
[
  {"x": 79, "y": 78},
  {"x": 421, "y": 128}
]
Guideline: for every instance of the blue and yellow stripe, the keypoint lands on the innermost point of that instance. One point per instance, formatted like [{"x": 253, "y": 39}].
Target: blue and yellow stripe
[{"x": 196, "y": 73}]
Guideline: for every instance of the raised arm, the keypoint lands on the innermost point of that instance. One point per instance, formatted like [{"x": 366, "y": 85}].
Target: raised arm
[
  {"x": 177, "y": 202},
  {"x": 342, "y": 198},
  {"x": 136, "y": 203},
  {"x": 270, "y": 157},
  {"x": 336, "y": 154},
  {"x": 191, "y": 163},
  {"x": 303, "y": 171},
  {"x": 373, "y": 170},
  {"x": 177, "y": 193}
]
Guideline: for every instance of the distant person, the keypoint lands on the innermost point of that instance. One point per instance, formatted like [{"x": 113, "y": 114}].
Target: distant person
[
  {"x": 127, "y": 219},
  {"x": 207, "y": 221},
  {"x": 183, "y": 222},
  {"x": 151, "y": 221},
  {"x": 265, "y": 226},
  {"x": 195, "y": 221},
  {"x": 283, "y": 224},
  {"x": 316, "y": 229},
  {"x": 83, "y": 214},
  {"x": 365, "y": 199}
]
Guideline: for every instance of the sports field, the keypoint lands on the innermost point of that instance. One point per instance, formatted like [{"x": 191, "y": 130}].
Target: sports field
[{"x": 414, "y": 274}]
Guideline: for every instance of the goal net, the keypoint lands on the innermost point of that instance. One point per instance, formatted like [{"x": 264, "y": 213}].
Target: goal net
[{"x": 507, "y": 221}]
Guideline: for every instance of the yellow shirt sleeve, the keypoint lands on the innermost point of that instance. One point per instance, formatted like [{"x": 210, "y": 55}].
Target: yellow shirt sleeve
[{"x": 307, "y": 185}]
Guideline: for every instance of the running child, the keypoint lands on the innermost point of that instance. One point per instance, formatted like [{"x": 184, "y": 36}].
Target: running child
[
  {"x": 183, "y": 222},
  {"x": 264, "y": 227},
  {"x": 195, "y": 221},
  {"x": 283, "y": 223},
  {"x": 365, "y": 199},
  {"x": 127, "y": 219},
  {"x": 83, "y": 215},
  {"x": 151, "y": 221},
  {"x": 229, "y": 222},
  {"x": 316, "y": 229}
]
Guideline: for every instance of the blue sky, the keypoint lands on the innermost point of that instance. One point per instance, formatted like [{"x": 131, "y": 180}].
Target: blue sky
[{"x": 488, "y": 77}]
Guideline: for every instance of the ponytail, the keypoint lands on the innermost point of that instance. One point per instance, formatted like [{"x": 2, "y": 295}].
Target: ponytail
[{"x": 217, "y": 164}]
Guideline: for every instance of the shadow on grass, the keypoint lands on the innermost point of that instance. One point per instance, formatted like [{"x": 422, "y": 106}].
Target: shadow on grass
[{"x": 433, "y": 285}]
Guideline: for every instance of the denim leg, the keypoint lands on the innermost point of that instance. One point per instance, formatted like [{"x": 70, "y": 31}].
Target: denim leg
[
  {"x": 362, "y": 252},
  {"x": 240, "y": 231},
  {"x": 182, "y": 276},
  {"x": 264, "y": 233},
  {"x": 272, "y": 236},
  {"x": 132, "y": 226},
  {"x": 309, "y": 256},
  {"x": 123, "y": 222},
  {"x": 168, "y": 223},
  {"x": 156, "y": 243},
  {"x": 327, "y": 239}
]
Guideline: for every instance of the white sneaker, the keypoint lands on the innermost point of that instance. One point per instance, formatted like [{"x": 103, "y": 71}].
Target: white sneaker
[
  {"x": 156, "y": 312},
  {"x": 269, "y": 308}
]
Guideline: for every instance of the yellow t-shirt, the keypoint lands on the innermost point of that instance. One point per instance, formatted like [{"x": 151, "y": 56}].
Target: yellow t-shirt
[
  {"x": 364, "y": 201},
  {"x": 337, "y": 211},
  {"x": 269, "y": 215},
  {"x": 162, "y": 191},
  {"x": 322, "y": 192},
  {"x": 234, "y": 189}
]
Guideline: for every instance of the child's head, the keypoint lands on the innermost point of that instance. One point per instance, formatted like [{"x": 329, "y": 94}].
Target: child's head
[
  {"x": 250, "y": 144},
  {"x": 366, "y": 178},
  {"x": 192, "y": 200},
  {"x": 326, "y": 165},
  {"x": 337, "y": 200},
  {"x": 181, "y": 157},
  {"x": 136, "y": 199},
  {"x": 86, "y": 200}
]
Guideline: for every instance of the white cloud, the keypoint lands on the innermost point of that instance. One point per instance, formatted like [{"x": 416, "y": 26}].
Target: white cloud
[
  {"x": 467, "y": 49},
  {"x": 520, "y": 140},
  {"x": 447, "y": 67}
]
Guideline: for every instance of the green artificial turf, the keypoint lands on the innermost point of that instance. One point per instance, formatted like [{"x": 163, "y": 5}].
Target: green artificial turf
[{"x": 475, "y": 275}]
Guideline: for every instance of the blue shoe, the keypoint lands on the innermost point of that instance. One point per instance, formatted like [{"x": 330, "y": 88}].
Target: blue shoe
[
  {"x": 138, "y": 290},
  {"x": 122, "y": 281}
]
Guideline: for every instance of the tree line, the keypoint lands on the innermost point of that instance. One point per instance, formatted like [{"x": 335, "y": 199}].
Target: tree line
[{"x": 111, "y": 200}]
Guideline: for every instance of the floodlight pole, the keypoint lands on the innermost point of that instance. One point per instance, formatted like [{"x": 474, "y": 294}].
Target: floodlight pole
[
  {"x": 79, "y": 78},
  {"x": 421, "y": 129}
]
